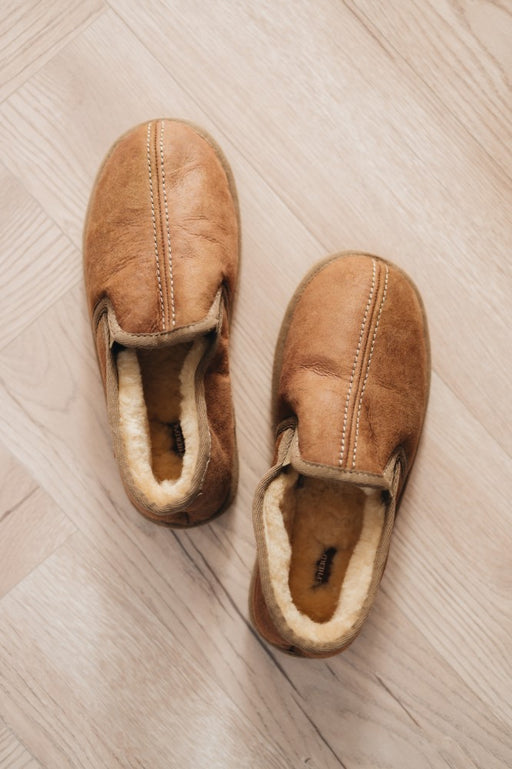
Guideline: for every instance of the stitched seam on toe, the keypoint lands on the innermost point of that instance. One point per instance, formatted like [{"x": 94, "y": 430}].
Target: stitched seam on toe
[
  {"x": 363, "y": 359},
  {"x": 159, "y": 214},
  {"x": 166, "y": 208},
  {"x": 372, "y": 347},
  {"x": 153, "y": 219},
  {"x": 354, "y": 366}
]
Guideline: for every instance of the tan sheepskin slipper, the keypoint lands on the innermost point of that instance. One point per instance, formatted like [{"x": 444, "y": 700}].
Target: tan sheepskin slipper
[
  {"x": 161, "y": 248},
  {"x": 351, "y": 382}
]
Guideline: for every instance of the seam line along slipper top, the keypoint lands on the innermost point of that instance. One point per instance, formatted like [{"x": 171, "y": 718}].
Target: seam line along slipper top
[
  {"x": 161, "y": 249},
  {"x": 351, "y": 382}
]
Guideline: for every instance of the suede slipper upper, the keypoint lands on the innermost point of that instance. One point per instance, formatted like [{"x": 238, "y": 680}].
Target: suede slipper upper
[
  {"x": 161, "y": 248},
  {"x": 351, "y": 382}
]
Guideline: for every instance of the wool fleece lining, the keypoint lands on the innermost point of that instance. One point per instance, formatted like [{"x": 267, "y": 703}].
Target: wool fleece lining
[
  {"x": 322, "y": 538},
  {"x": 158, "y": 418}
]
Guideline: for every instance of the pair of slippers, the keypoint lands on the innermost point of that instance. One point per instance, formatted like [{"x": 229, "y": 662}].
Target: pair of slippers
[{"x": 350, "y": 386}]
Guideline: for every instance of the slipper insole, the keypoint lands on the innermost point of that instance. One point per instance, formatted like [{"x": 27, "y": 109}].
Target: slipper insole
[
  {"x": 324, "y": 521},
  {"x": 160, "y": 371}
]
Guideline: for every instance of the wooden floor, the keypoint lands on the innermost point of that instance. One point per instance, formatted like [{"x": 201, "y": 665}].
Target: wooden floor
[{"x": 378, "y": 126}]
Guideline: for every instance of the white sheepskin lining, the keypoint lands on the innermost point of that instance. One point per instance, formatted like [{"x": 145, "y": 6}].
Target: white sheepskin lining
[
  {"x": 321, "y": 538},
  {"x": 158, "y": 420}
]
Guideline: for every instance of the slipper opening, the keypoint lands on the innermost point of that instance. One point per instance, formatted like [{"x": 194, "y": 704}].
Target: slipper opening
[
  {"x": 322, "y": 539},
  {"x": 158, "y": 418}
]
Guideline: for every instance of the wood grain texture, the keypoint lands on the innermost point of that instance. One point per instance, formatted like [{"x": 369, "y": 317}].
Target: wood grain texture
[
  {"x": 133, "y": 695},
  {"x": 12, "y": 753},
  {"x": 31, "y": 524},
  {"x": 31, "y": 31},
  {"x": 126, "y": 644},
  {"x": 38, "y": 261},
  {"x": 462, "y": 51}
]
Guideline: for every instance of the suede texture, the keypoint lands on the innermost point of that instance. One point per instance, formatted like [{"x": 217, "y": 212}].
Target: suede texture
[
  {"x": 355, "y": 365},
  {"x": 222, "y": 464},
  {"x": 161, "y": 233},
  {"x": 350, "y": 391},
  {"x": 161, "y": 252}
]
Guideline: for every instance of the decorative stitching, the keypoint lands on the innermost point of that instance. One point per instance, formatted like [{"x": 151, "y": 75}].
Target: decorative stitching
[
  {"x": 148, "y": 150},
  {"x": 368, "y": 366},
  {"x": 358, "y": 350},
  {"x": 173, "y": 308}
]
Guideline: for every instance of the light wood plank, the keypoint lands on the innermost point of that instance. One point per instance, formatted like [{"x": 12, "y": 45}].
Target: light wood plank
[
  {"x": 32, "y": 31},
  {"x": 106, "y": 683},
  {"x": 462, "y": 50},
  {"x": 453, "y": 543},
  {"x": 16, "y": 483},
  {"x": 38, "y": 262},
  {"x": 31, "y": 524},
  {"x": 12, "y": 753}
]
